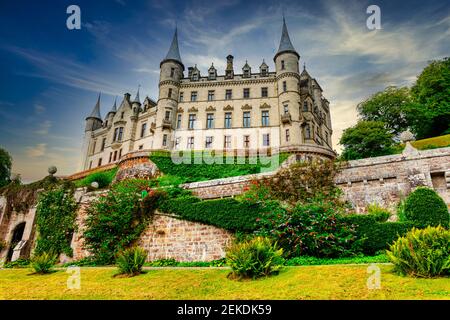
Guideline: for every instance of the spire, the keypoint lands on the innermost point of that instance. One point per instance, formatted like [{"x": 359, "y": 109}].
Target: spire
[
  {"x": 96, "y": 111},
  {"x": 174, "y": 51},
  {"x": 114, "y": 107},
  {"x": 137, "y": 99},
  {"x": 285, "y": 42}
]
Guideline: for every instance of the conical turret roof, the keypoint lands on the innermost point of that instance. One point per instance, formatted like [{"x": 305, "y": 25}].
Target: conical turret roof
[
  {"x": 285, "y": 42},
  {"x": 174, "y": 51},
  {"x": 96, "y": 111}
]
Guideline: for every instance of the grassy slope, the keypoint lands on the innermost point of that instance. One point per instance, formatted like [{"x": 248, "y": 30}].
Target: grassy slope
[
  {"x": 442, "y": 141},
  {"x": 311, "y": 282}
]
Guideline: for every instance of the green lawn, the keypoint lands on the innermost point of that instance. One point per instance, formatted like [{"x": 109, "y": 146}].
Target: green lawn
[{"x": 307, "y": 282}]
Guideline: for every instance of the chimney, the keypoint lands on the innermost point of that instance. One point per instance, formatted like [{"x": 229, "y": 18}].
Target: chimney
[
  {"x": 127, "y": 96},
  {"x": 229, "y": 72},
  {"x": 190, "y": 69}
]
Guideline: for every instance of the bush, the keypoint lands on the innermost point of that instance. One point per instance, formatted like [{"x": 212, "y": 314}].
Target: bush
[
  {"x": 426, "y": 208},
  {"x": 312, "y": 261},
  {"x": 19, "y": 263},
  {"x": 103, "y": 178},
  {"x": 130, "y": 261},
  {"x": 227, "y": 213},
  {"x": 374, "y": 236},
  {"x": 422, "y": 253},
  {"x": 379, "y": 213},
  {"x": 310, "y": 229},
  {"x": 43, "y": 263},
  {"x": 255, "y": 258}
]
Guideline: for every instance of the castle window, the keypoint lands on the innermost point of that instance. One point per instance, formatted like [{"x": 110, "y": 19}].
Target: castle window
[
  {"x": 246, "y": 119},
  {"x": 93, "y": 146},
  {"x": 167, "y": 115},
  {"x": 308, "y": 131},
  {"x": 191, "y": 124},
  {"x": 264, "y": 92},
  {"x": 227, "y": 142},
  {"x": 210, "y": 95},
  {"x": 172, "y": 72},
  {"x": 194, "y": 96},
  {"x": 208, "y": 142},
  {"x": 265, "y": 118},
  {"x": 143, "y": 129},
  {"x": 179, "y": 121},
  {"x": 287, "y": 135},
  {"x": 181, "y": 96},
  {"x": 99, "y": 162},
  {"x": 90, "y": 165},
  {"x": 120, "y": 153},
  {"x": 212, "y": 75},
  {"x": 103, "y": 144},
  {"x": 190, "y": 143},
  {"x": 116, "y": 132},
  {"x": 141, "y": 147},
  {"x": 228, "y": 120},
  {"x": 264, "y": 72},
  {"x": 115, "y": 156},
  {"x": 164, "y": 142},
  {"x": 266, "y": 140},
  {"x": 305, "y": 106},
  {"x": 121, "y": 115},
  {"x": 228, "y": 94},
  {"x": 282, "y": 64},
  {"x": 177, "y": 143},
  {"x": 246, "y": 73},
  {"x": 120, "y": 134},
  {"x": 284, "y": 86},
  {"x": 246, "y": 93},
  {"x": 326, "y": 137},
  {"x": 286, "y": 109},
  {"x": 169, "y": 95},
  {"x": 110, "y": 157},
  {"x": 246, "y": 141},
  {"x": 195, "y": 76},
  {"x": 210, "y": 121}
]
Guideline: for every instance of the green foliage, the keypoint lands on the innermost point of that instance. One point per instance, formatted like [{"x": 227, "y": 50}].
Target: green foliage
[
  {"x": 130, "y": 261},
  {"x": 168, "y": 180},
  {"x": 19, "y": 263},
  {"x": 430, "y": 115},
  {"x": 425, "y": 207},
  {"x": 310, "y": 229},
  {"x": 227, "y": 213},
  {"x": 388, "y": 106},
  {"x": 5, "y": 167},
  {"x": 55, "y": 220},
  {"x": 256, "y": 258},
  {"x": 198, "y": 166},
  {"x": 118, "y": 218},
  {"x": 43, "y": 263},
  {"x": 103, "y": 178},
  {"x": 374, "y": 236},
  {"x": 422, "y": 253},
  {"x": 311, "y": 261},
  {"x": 379, "y": 213},
  {"x": 366, "y": 139}
]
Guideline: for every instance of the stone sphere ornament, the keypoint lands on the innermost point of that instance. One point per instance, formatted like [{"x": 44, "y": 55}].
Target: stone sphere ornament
[
  {"x": 52, "y": 170},
  {"x": 94, "y": 185},
  {"x": 406, "y": 136}
]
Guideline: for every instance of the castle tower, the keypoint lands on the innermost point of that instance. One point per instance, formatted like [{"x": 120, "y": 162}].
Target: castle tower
[
  {"x": 171, "y": 73},
  {"x": 93, "y": 122},
  {"x": 287, "y": 71},
  {"x": 135, "y": 109}
]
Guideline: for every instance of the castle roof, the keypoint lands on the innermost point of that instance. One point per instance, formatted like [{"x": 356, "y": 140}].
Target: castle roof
[
  {"x": 114, "y": 107},
  {"x": 96, "y": 111},
  {"x": 285, "y": 42},
  {"x": 174, "y": 51},
  {"x": 137, "y": 99}
]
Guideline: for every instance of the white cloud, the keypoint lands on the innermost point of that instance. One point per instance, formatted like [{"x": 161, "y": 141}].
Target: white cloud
[
  {"x": 36, "y": 151},
  {"x": 44, "y": 127}
]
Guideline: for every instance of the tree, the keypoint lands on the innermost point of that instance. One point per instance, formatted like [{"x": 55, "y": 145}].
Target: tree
[
  {"x": 5, "y": 167},
  {"x": 429, "y": 116},
  {"x": 366, "y": 139},
  {"x": 388, "y": 106}
]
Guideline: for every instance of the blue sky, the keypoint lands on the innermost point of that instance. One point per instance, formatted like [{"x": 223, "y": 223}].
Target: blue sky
[{"x": 50, "y": 76}]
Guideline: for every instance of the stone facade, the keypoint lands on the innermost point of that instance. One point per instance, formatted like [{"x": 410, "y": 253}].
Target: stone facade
[{"x": 279, "y": 110}]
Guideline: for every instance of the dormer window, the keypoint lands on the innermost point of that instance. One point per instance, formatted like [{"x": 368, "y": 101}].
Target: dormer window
[
  {"x": 264, "y": 72},
  {"x": 212, "y": 75},
  {"x": 246, "y": 73},
  {"x": 195, "y": 76}
]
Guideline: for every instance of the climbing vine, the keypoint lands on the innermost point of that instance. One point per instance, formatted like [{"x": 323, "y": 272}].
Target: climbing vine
[
  {"x": 115, "y": 220},
  {"x": 55, "y": 220}
]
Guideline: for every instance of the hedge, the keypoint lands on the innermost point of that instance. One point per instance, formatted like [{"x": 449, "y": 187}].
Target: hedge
[
  {"x": 227, "y": 213},
  {"x": 374, "y": 235}
]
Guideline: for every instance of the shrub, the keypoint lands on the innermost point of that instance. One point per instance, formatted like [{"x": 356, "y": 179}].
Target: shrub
[
  {"x": 118, "y": 218},
  {"x": 227, "y": 213},
  {"x": 422, "y": 253},
  {"x": 379, "y": 213},
  {"x": 374, "y": 236},
  {"x": 43, "y": 263},
  {"x": 130, "y": 261},
  {"x": 426, "y": 208},
  {"x": 310, "y": 229},
  {"x": 255, "y": 258},
  {"x": 103, "y": 178},
  {"x": 19, "y": 263}
]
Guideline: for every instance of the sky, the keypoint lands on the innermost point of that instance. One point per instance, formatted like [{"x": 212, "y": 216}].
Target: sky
[{"x": 50, "y": 76}]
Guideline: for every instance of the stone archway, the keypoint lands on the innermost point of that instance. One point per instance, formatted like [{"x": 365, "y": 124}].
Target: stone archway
[{"x": 17, "y": 235}]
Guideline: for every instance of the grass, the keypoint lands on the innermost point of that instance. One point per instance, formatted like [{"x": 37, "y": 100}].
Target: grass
[
  {"x": 209, "y": 169},
  {"x": 309, "y": 282},
  {"x": 427, "y": 144},
  {"x": 312, "y": 261},
  {"x": 103, "y": 178}
]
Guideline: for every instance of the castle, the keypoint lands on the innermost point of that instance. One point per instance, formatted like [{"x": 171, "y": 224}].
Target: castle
[{"x": 281, "y": 110}]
